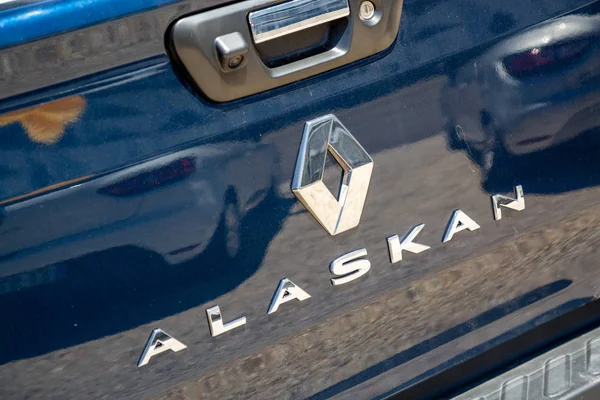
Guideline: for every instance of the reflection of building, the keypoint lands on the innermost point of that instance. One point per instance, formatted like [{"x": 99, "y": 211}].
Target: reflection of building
[{"x": 75, "y": 54}]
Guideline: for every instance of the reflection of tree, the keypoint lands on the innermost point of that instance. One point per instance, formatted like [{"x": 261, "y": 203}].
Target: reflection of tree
[{"x": 46, "y": 123}]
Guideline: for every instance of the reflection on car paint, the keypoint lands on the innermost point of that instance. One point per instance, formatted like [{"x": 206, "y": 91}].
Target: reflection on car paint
[
  {"x": 227, "y": 232},
  {"x": 535, "y": 90},
  {"x": 46, "y": 123}
]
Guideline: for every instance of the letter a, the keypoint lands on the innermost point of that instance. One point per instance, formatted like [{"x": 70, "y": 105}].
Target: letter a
[{"x": 159, "y": 342}]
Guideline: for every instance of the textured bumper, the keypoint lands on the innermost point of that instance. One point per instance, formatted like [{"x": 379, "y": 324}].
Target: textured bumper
[{"x": 570, "y": 371}]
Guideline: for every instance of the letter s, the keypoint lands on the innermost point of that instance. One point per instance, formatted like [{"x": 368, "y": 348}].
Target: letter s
[{"x": 348, "y": 268}]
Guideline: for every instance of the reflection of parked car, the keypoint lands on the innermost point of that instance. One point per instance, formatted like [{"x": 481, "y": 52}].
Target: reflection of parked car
[
  {"x": 160, "y": 230},
  {"x": 176, "y": 183},
  {"x": 527, "y": 93}
]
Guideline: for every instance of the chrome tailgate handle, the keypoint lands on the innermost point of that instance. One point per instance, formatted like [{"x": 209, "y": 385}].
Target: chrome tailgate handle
[
  {"x": 293, "y": 16},
  {"x": 252, "y": 46}
]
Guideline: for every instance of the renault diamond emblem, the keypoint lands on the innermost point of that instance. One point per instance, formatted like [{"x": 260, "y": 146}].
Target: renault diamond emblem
[{"x": 321, "y": 135}]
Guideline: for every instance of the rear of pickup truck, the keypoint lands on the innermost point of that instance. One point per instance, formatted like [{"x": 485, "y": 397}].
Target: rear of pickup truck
[{"x": 301, "y": 199}]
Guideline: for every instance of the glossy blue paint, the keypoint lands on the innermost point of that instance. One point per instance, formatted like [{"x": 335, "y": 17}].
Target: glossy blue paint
[
  {"x": 154, "y": 204},
  {"x": 31, "y": 21}
]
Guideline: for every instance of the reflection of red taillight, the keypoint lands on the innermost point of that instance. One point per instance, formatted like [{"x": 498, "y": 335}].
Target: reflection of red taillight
[
  {"x": 148, "y": 180},
  {"x": 543, "y": 59}
]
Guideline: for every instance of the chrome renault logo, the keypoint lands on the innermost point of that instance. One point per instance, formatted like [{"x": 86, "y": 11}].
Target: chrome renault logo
[{"x": 321, "y": 135}]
